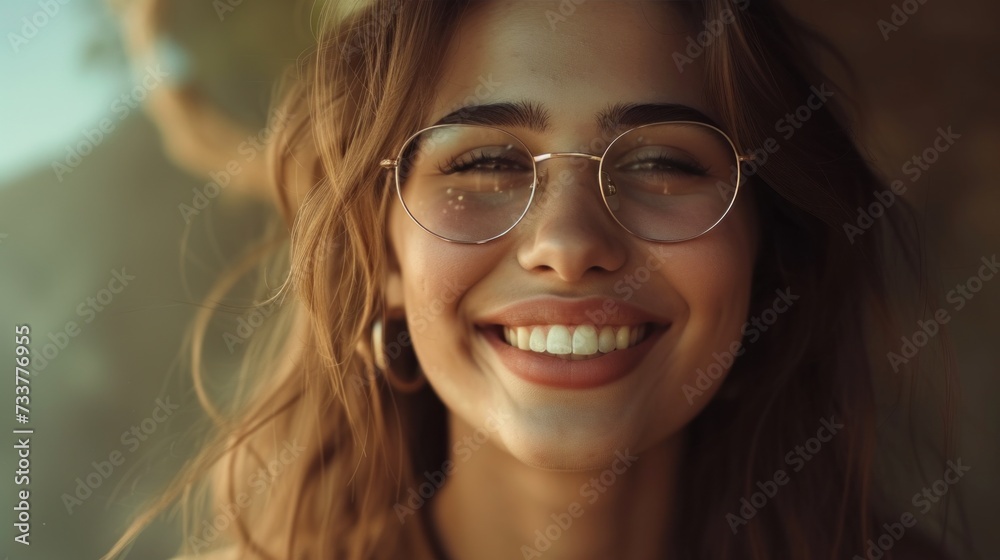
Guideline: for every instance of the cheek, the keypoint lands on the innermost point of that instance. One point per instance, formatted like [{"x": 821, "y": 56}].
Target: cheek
[
  {"x": 712, "y": 277},
  {"x": 715, "y": 284},
  {"x": 432, "y": 275},
  {"x": 714, "y": 273},
  {"x": 435, "y": 277},
  {"x": 433, "y": 289},
  {"x": 708, "y": 280}
]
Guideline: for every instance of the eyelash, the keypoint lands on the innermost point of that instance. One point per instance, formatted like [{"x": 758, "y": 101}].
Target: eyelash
[
  {"x": 691, "y": 167},
  {"x": 467, "y": 161}
]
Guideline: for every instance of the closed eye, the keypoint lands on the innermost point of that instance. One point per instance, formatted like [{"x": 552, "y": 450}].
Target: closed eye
[{"x": 480, "y": 160}]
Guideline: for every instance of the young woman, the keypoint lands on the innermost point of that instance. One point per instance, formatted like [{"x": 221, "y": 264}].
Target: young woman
[{"x": 567, "y": 280}]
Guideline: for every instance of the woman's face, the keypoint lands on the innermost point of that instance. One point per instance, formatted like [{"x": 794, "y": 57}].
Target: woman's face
[{"x": 568, "y": 263}]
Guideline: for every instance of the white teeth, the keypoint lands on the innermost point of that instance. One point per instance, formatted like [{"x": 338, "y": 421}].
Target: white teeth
[
  {"x": 523, "y": 338},
  {"x": 559, "y": 341},
  {"x": 585, "y": 340},
  {"x": 606, "y": 342},
  {"x": 578, "y": 340},
  {"x": 621, "y": 340},
  {"x": 537, "y": 342}
]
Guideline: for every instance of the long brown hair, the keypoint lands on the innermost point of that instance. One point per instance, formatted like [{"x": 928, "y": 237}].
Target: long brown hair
[{"x": 354, "y": 445}]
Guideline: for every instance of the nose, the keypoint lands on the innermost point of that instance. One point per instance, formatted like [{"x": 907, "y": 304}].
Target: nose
[{"x": 568, "y": 231}]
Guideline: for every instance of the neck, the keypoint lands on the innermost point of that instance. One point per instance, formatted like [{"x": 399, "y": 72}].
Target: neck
[{"x": 493, "y": 506}]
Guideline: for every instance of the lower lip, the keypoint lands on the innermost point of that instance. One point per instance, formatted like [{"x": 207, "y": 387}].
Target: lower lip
[{"x": 560, "y": 373}]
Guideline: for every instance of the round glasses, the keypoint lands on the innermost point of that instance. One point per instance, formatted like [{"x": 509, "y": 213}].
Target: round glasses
[{"x": 664, "y": 182}]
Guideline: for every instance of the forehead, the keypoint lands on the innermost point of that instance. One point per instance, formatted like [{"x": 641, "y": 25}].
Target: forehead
[{"x": 571, "y": 59}]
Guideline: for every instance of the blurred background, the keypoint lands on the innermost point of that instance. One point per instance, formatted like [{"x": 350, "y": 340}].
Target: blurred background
[{"x": 117, "y": 115}]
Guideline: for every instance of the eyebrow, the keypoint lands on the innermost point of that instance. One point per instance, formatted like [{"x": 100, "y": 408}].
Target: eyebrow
[{"x": 533, "y": 116}]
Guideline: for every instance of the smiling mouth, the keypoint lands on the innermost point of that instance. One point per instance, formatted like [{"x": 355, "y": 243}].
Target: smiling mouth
[{"x": 574, "y": 342}]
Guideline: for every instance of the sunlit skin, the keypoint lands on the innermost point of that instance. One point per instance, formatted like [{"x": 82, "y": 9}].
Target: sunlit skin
[{"x": 551, "y": 441}]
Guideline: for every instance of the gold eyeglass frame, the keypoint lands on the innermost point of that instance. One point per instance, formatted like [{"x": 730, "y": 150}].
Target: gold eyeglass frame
[{"x": 393, "y": 164}]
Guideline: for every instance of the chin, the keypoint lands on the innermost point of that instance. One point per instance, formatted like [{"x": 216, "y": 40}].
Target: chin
[{"x": 558, "y": 449}]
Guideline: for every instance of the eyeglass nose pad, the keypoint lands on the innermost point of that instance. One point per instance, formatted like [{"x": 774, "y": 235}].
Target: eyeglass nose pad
[
  {"x": 541, "y": 177},
  {"x": 610, "y": 193}
]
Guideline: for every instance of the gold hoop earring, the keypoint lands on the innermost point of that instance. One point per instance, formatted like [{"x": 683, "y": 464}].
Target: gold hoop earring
[
  {"x": 378, "y": 346},
  {"x": 398, "y": 355}
]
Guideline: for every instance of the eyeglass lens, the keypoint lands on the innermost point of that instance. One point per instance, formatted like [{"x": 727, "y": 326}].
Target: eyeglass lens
[{"x": 664, "y": 182}]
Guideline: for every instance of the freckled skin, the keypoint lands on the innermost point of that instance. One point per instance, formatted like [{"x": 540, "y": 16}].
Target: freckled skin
[{"x": 572, "y": 246}]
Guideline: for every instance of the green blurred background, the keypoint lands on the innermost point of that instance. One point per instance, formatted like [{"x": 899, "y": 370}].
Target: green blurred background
[{"x": 65, "y": 233}]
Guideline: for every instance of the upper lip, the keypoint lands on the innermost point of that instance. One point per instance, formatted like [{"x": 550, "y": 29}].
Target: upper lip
[{"x": 548, "y": 310}]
